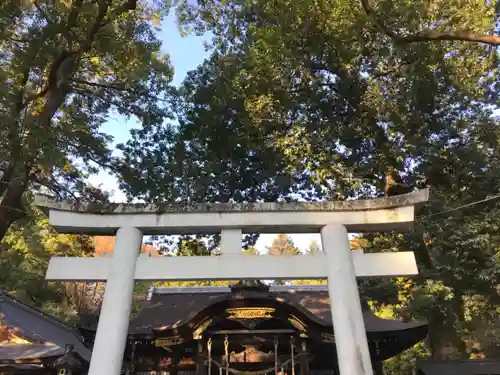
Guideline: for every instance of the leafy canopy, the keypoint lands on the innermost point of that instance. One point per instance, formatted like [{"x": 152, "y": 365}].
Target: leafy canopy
[
  {"x": 24, "y": 257},
  {"x": 65, "y": 69}
]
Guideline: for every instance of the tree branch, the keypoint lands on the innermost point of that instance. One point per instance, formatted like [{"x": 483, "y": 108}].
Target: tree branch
[
  {"x": 36, "y": 96},
  {"x": 56, "y": 77},
  {"x": 126, "y": 6},
  {"x": 70, "y": 36},
  {"x": 101, "y": 14},
  {"x": 429, "y": 36},
  {"x": 54, "y": 187},
  {"x": 133, "y": 111},
  {"x": 121, "y": 86},
  {"x": 43, "y": 13},
  {"x": 6, "y": 178},
  {"x": 118, "y": 87},
  {"x": 13, "y": 139},
  {"x": 61, "y": 68},
  {"x": 391, "y": 70},
  {"x": 464, "y": 36},
  {"x": 71, "y": 22},
  {"x": 103, "y": 7},
  {"x": 88, "y": 156}
]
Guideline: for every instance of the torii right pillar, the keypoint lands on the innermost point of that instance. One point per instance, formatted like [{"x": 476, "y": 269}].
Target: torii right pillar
[{"x": 347, "y": 316}]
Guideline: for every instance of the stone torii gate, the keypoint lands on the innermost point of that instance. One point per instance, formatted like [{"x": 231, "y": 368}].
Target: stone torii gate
[{"x": 333, "y": 220}]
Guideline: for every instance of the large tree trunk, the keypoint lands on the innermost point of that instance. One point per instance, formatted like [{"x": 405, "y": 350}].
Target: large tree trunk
[
  {"x": 16, "y": 179},
  {"x": 11, "y": 205},
  {"x": 444, "y": 342}
]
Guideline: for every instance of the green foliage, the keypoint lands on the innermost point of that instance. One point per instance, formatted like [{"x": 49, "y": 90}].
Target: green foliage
[
  {"x": 26, "y": 250},
  {"x": 192, "y": 246},
  {"x": 65, "y": 67},
  {"x": 314, "y": 247},
  {"x": 404, "y": 363},
  {"x": 291, "y": 127},
  {"x": 140, "y": 294}
]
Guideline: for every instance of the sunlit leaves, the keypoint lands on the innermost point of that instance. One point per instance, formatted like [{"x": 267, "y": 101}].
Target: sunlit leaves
[
  {"x": 64, "y": 67},
  {"x": 24, "y": 256}
]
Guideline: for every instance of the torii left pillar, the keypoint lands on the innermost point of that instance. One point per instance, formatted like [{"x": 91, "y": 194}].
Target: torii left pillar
[{"x": 111, "y": 335}]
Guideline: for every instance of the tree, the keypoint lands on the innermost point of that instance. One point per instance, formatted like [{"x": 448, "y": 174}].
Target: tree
[
  {"x": 314, "y": 247},
  {"x": 274, "y": 71},
  {"x": 282, "y": 245},
  {"x": 251, "y": 250},
  {"x": 315, "y": 100},
  {"x": 63, "y": 67},
  {"x": 366, "y": 286},
  {"x": 191, "y": 246},
  {"x": 26, "y": 251}
]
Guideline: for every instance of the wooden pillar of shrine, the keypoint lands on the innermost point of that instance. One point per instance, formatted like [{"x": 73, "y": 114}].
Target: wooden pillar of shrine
[
  {"x": 378, "y": 368},
  {"x": 200, "y": 359},
  {"x": 175, "y": 365},
  {"x": 304, "y": 359},
  {"x": 157, "y": 364},
  {"x": 132, "y": 358}
]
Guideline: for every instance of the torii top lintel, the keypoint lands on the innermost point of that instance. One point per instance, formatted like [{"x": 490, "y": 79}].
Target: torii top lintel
[{"x": 390, "y": 213}]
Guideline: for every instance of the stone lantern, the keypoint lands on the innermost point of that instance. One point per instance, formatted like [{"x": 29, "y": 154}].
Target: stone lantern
[{"x": 68, "y": 364}]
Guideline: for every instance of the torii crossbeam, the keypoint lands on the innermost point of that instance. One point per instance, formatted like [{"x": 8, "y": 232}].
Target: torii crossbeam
[
  {"x": 226, "y": 267},
  {"x": 337, "y": 263}
]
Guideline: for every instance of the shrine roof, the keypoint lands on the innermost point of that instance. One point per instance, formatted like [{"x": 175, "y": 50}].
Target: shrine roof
[
  {"x": 16, "y": 352},
  {"x": 34, "y": 325},
  {"x": 415, "y": 198},
  {"x": 176, "y": 306}
]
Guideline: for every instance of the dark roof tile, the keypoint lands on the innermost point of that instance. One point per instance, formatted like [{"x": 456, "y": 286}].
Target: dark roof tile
[
  {"x": 39, "y": 326},
  {"x": 168, "y": 307},
  {"x": 15, "y": 352}
]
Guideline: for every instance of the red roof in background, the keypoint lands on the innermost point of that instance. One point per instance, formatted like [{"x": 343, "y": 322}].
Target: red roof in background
[{"x": 106, "y": 244}]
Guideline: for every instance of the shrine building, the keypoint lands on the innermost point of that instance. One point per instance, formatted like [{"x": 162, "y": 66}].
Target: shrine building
[{"x": 249, "y": 328}]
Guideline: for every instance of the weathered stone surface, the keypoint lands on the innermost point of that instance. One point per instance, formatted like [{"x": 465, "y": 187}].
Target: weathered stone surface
[{"x": 415, "y": 198}]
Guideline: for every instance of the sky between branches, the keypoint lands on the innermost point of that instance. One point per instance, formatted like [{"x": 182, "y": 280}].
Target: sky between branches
[{"x": 186, "y": 53}]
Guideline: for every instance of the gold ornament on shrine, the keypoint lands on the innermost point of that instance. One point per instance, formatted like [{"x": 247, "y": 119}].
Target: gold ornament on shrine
[
  {"x": 251, "y": 313},
  {"x": 297, "y": 323},
  {"x": 328, "y": 338},
  {"x": 169, "y": 341},
  {"x": 201, "y": 328}
]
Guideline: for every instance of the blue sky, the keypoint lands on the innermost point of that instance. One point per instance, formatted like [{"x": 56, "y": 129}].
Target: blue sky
[{"x": 186, "y": 53}]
